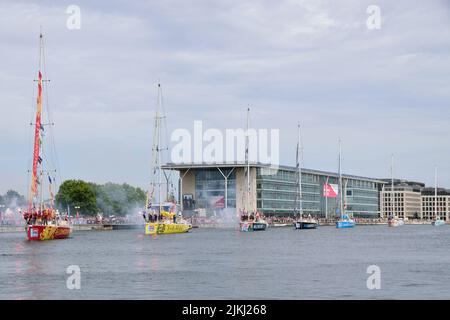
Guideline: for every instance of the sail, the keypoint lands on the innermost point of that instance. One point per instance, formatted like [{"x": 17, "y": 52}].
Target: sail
[{"x": 37, "y": 142}]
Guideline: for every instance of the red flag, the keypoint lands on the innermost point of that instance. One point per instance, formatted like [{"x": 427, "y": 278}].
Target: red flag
[
  {"x": 37, "y": 142},
  {"x": 330, "y": 190}
]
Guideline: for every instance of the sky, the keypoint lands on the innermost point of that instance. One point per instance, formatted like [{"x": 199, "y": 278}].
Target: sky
[{"x": 315, "y": 62}]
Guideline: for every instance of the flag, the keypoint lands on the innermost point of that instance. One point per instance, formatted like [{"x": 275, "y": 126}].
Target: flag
[
  {"x": 50, "y": 190},
  {"x": 37, "y": 143},
  {"x": 330, "y": 190}
]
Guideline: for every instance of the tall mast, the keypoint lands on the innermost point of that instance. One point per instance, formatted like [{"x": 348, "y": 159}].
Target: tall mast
[
  {"x": 247, "y": 159},
  {"x": 392, "y": 186},
  {"x": 36, "y": 174},
  {"x": 156, "y": 157},
  {"x": 341, "y": 191},
  {"x": 435, "y": 192},
  {"x": 300, "y": 163},
  {"x": 158, "y": 148}
]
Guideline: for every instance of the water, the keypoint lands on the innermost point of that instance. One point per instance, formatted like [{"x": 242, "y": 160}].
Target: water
[{"x": 280, "y": 263}]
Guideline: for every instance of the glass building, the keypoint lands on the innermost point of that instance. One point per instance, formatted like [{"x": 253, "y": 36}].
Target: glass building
[{"x": 273, "y": 190}]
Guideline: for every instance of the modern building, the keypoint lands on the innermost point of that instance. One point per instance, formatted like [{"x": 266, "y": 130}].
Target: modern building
[
  {"x": 404, "y": 201},
  {"x": 432, "y": 205},
  {"x": 273, "y": 190}
]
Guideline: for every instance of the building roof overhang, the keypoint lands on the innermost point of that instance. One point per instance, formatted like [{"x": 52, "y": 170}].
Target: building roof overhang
[{"x": 225, "y": 165}]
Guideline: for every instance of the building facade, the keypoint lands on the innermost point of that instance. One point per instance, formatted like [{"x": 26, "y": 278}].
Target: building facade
[
  {"x": 432, "y": 205},
  {"x": 403, "y": 202},
  {"x": 273, "y": 191}
]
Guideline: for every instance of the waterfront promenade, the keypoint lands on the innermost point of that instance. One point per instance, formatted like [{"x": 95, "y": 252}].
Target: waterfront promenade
[
  {"x": 79, "y": 227},
  {"x": 273, "y": 224}
]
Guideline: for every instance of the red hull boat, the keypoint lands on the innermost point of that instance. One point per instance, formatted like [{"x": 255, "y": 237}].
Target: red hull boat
[
  {"x": 42, "y": 219},
  {"x": 47, "y": 232}
]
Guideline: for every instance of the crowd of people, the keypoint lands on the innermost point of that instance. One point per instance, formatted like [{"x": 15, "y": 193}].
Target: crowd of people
[
  {"x": 10, "y": 217},
  {"x": 151, "y": 216},
  {"x": 245, "y": 216},
  {"x": 281, "y": 220},
  {"x": 43, "y": 217},
  {"x": 154, "y": 216}
]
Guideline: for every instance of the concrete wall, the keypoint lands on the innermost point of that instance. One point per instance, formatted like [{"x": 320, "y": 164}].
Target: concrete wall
[
  {"x": 188, "y": 182},
  {"x": 241, "y": 185}
]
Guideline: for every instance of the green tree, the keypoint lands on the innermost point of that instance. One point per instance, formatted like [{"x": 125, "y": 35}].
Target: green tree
[
  {"x": 77, "y": 193},
  {"x": 109, "y": 198}
]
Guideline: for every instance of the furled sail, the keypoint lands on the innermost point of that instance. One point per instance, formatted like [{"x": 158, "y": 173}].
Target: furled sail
[{"x": 37, "y": 143}]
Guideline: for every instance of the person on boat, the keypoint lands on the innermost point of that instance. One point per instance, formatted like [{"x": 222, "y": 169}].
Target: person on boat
[
  {"x": 27, "y": 217},
  {"x": 174, "y": 218},
  {"x": 44, "y": 217}
]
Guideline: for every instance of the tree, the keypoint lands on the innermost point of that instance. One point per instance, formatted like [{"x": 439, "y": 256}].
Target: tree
[
  {"x": 109, "y": 198},
  {"x": 116, "y": 199},
  {"x": 13, "y": 199},
  {"x": 77, "y": 193}
]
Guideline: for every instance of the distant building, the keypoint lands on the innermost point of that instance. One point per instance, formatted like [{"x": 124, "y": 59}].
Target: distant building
[
  {"x": 273, "y": 191},
  {"x": 430, "y": 206},
  {"x": 404, "y": 201}
]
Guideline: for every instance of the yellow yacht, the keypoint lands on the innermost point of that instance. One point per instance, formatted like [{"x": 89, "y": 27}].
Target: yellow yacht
[
  {"x": 165, "y": 223},
  {"x": 161, "y": 217}
]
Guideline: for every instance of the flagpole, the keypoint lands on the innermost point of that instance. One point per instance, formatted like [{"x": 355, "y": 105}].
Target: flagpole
[{"x": 326, "y": 199}]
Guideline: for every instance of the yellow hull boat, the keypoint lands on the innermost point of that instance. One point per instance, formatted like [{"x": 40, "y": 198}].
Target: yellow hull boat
[{"x": 166, "y": 228}]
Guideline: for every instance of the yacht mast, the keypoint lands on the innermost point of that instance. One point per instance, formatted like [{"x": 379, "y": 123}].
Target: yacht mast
[
  {"x": 341, "y": 203},
  {"x": 392, "y": 187},
  {"x": 299, "y": 164},
  {"x": 435, "y": 193},
  {"x": 156, "y": 158},
  {"x": 158, "y": 122},
  {"x": 37, "y": 170},
  {"x": 247, "y": 159}
]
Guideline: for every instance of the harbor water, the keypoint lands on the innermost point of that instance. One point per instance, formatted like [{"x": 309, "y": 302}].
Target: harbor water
[{"x": 280, "y": 263}]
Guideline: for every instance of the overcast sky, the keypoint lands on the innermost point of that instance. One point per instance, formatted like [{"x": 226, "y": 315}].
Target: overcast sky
[{"x": 315, "y": 62}]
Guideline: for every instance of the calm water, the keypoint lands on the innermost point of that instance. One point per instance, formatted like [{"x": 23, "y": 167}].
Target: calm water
[{"x": 280, "y": 263}]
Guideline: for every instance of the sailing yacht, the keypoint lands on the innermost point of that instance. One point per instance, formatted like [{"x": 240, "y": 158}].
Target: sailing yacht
[
  {"x": 250, "y": 219},
  {"x": 302, "y": 222},
  {"x": 393, "y": 221},
  {"x": 161, "y": 217},
  {"x": 344, "y": 220},
  {"x": 437, "y": 220},
  {"x": 43, "y": 221}
]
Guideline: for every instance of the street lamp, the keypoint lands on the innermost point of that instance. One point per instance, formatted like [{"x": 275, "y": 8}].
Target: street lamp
[{"x": 77, "y": 208}]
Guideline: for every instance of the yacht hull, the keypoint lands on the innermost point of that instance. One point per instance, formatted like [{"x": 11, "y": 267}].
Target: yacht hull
[
  {"x": 47, "y": 232},
  {"x": 305, "y": 225},
  {"x": 166, "y": 228},
  {"x": 252, "y": 226},
  {"x": 345, "y": 224}
]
